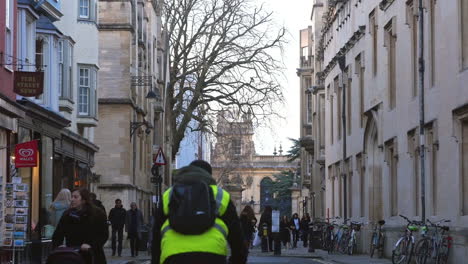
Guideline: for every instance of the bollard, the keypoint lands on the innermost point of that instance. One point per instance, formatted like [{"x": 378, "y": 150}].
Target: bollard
[
  {"x": 265, "y": 238},
  {"x": 311, "y": 237}
]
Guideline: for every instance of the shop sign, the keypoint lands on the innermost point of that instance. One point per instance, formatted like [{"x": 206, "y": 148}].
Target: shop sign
[
  {"x": 26, "y": 154},
  {"x": 29, "y": 83}
]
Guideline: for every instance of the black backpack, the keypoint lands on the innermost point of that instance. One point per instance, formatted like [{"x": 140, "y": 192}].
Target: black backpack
[
  {"x": 67, "y": 255},
  {"x": 192, "y": 208}
]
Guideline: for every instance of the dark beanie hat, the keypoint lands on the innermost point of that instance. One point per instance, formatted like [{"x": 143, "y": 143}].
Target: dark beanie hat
[{"x": 202, "y": 164}]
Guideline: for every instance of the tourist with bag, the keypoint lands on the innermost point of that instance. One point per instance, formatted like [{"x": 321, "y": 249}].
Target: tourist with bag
[{"x": 196, "y": 222}]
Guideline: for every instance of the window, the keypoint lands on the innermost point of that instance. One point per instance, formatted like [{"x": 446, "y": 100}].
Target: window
[
  {"x": 349, "y": 179},
  {"x": 432, "y": 149},
  {"x": 413, "y": 150},
  {"x": 39, "y": 54},
  {"x": 412, "y": 21},
  {"x": 359, "y": 62},
  {"x": 390, "y": 43},
  {"x": 332, "y": 182},
  {"x": 340, "y": 188},
  {"x": 236, "y": 147},
  {"x": 83, "y": 100},
  {"x": 373, "y": 29},
  {"x": 349, "y": 100},
  {"x": 464, "y": 165},
  {"x": 392, "y": 163},
  {"x": 332, "y": 133},
  {"x": 309, "y": 108},
  {"x": 84, "y": 8},
  {"x": 362, "y": 193},
  {"x": 338, "y": 91},
  {"x": 464, "y": 30},
  {"x": 9, "y": 20},
  {"x": 432, "y": 41},
  {"x": 322, "y": 121},
  {"x": 60, "y": 68}
]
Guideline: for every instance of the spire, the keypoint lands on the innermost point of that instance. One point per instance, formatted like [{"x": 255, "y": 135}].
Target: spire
[
  {"x": 281, "y": 149},
  {"x": 274, "y": 151}
]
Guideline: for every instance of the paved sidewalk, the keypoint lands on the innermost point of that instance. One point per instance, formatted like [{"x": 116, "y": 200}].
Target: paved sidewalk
[
  {"x": 126, "y": 257},
  {"x": 323, "y": 256}
]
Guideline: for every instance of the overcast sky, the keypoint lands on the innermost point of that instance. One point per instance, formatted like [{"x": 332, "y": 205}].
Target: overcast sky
[{"x": 294, "y": 15}]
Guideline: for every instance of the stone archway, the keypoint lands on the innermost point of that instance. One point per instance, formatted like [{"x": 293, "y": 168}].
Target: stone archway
[
  {"x": 266, "y": 197},
  {"x": 373, "y": 171}
]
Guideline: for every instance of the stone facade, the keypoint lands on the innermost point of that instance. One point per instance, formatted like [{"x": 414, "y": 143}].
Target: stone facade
[
  {"x": 130, "y": 60},
  {"x": 378, "y": 40},
  {"x": 238, "y": 168}
]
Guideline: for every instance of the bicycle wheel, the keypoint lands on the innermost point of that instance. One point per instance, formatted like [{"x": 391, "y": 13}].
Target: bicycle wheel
[
  {"x": 343, "y": 245},
  {"x": 423, "y": 251},
  {"x": 374, "y": 244},
  {"x": 443, "y": 252},
  {"x": 381, "y": 245},
  {"x": 402, "y": 251},
  {"x": 351, "y": 246}
]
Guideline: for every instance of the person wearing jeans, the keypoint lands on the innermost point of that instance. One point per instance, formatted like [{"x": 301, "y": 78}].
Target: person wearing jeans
[
  {"x": 117, "y": 216},
  {"x": 133, "y": 225},
  {"x": 295, "y": 227}
]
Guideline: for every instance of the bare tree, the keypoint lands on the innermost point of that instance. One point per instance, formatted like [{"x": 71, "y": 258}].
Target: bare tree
[{"x": 222, "y": 55}]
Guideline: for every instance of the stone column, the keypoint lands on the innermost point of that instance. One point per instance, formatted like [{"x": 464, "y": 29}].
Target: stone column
[
  {"x": 295, "y": 194},
  {"x": 236, "y": 195}
]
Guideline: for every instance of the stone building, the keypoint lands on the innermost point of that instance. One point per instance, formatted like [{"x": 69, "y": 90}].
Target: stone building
[
  {"x": 241, "y": 171},
  {"x": 131, "y": 81},
  {"x": 379, "y": 41}
]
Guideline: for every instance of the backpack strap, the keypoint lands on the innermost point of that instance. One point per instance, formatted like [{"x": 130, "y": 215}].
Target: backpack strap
[
  {"x": 166, "y": 198},
  {"x": 222, "y": 199}
]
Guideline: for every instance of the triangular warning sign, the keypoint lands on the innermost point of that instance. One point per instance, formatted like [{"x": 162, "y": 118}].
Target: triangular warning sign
[{"x": 160, "y": 158}]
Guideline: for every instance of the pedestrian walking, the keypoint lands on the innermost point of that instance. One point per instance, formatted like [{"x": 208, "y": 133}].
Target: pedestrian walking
[
  {"x": 247, "y": 219},
  {"x": 304, "y": 226},
  {"x": 133, "y": 225},
  {"x": 117, "y": 218},
  {"x": 59, "y": 206},
  {"x": 97, "y": 203},
  {"x": 197, "y": 231},
  {"x": 295, "y": 226},
  {"x": 284, "y": 230},
  {"x": 83, "y": 226},
  {"x": 265, "y": 220}
]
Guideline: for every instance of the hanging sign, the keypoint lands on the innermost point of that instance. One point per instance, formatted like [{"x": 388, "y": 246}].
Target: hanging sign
[
  {"x": 29, "y": 83},
  {"x": 26, "y": 154},
  {"x": 160, "y": 158}
]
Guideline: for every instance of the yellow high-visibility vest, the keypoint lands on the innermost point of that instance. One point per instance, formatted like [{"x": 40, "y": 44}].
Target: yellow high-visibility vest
[{"x": 214, "y": 240}]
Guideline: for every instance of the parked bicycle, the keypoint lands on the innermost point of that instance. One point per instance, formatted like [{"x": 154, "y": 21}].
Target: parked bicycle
[
  {"x": 352, "y": 241},
  {"x": 404, "y": 247},
  {"x": 377, "y": 241},
  {"x": 435, "y": 247},
  {"x": 328, "y": 237}
]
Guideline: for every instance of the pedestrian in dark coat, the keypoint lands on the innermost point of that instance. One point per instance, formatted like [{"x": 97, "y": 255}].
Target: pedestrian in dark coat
[
  {"x": 117, "y": 218},
  {"x": 295, "y": 226},
  {"x": 284, "y": 230},
  {"x": 247, "y": 219},
  {"x": 97, "y": 203},
  {"x": 133, "y": 224},
  {"x": 305, "y": 229},
  {"x": 83, "y": 226},
  {"x": 265, "y": 218}
]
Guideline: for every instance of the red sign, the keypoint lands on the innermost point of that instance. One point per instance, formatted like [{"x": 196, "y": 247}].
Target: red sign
[
  {"x": 160, "y": 158},
  {"x": 29, "y": 83},
  {"x": 26, "y": 154}
]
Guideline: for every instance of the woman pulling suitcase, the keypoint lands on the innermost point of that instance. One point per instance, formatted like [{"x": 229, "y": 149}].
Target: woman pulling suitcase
[{"x": 83, "y": 226}]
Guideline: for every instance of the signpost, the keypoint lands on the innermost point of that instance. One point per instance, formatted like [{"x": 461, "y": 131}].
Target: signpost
[
  {"x": 29, "y": 83},
  {"x": 159, "y": 160}
]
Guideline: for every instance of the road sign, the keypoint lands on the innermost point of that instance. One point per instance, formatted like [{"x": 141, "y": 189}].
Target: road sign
[{"x": 160, "y": 158}]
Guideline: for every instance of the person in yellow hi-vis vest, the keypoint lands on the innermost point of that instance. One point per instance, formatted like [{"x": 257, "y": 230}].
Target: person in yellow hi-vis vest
[{"x": 197, "y": 221}]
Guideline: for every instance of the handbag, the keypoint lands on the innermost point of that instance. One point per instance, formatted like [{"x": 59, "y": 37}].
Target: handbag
[{"x": 257, "y": 239}]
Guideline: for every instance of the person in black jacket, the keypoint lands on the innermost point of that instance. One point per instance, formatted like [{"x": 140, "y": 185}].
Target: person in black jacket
[
  {"x": 247, "y": 219},
  {"x": 200, "y": 172},
  {"x": 295, "y": 227},
  {"x": 305, "y": 229},
  {"x": 265, "y": 218},
  {"x": 83, "y": 226},
  {"x": 97, "y": 203},
  {"x": 117, "y": 219}
]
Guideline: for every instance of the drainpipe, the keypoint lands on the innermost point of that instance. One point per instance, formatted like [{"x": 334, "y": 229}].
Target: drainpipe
[{"x": 422, "y": 138}]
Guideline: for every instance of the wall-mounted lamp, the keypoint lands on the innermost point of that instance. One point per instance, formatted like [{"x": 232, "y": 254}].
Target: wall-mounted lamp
[{"x": 135, "y": 125}]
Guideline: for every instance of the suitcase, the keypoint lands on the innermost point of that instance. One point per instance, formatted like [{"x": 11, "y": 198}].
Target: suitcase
[{"x": 68, "y": 255}]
